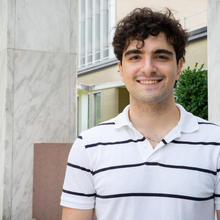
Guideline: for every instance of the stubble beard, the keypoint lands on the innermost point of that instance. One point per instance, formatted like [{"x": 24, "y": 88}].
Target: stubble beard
[{"x": 147, "y": 99}]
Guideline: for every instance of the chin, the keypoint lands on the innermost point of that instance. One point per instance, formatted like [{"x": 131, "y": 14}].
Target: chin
[{"x": 151, "y": 100}]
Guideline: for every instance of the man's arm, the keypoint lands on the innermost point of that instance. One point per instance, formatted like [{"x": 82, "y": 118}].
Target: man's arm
[
  {"x": 80, "y": 181},
  {"x": 77, "y": 214}
]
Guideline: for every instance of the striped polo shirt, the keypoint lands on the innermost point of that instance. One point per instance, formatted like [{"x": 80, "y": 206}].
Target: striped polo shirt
[{"x": 115, "y": 170}]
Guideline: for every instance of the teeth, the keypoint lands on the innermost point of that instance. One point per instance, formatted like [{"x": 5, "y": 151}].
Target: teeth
[{"x": 148, "y": 81}]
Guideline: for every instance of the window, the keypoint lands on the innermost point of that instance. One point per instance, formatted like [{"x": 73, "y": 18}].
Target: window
[
  {"x": 78, "y": 116},
  {"x": 96, "y": 22},
  {"x": 97, "y": 114},
  {"x": 82, "y": 111}
]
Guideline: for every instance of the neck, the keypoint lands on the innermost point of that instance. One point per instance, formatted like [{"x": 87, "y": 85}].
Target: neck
[{"x": 154, "y": 121}]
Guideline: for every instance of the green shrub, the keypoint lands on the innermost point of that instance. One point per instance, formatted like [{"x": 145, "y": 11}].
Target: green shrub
[{"x": 192, "y": 91}]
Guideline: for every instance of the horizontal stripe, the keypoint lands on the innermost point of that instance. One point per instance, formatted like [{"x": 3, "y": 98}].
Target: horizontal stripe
[
  {"x": 164, "y": 141},
  {"x": 154, "y": 195},
  {"x": 107, "y": 123},
  {"x": 121, "y": 195},
  {"x": 79, "y": 167},
  {"x": 196, "y": 143},
  {"x": 206, "y": 123},
  {"x": 155, "y": 164},
  {"x": 142, "y": 164},
  {"x": 218, "y": 170},
  {"x": 114, "y": 143},
  {"x": 118, "y": 167},
  {"x": 78, "y": 194},
  {"x": 181, "y": 167}
]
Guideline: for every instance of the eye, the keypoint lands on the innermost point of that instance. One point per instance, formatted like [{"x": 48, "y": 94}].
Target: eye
[
  {"x": 135, "y": 57},
  {"x": 162, "y": 57}
]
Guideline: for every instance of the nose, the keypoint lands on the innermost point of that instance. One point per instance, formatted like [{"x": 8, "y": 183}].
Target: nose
[{"x": 148, "y": 66}]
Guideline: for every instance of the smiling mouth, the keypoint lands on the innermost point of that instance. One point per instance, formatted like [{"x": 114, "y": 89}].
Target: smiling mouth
[{"x": 149, "y": 82}]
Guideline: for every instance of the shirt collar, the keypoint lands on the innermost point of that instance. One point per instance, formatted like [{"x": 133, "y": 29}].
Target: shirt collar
[
  {"x": 123, "y": 118},
  {"x": 188, "y": 123}
]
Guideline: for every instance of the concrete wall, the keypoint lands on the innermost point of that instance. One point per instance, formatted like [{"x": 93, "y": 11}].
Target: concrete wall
[
  {"x": 38, "y": 85},
  {"x": 3, "y": 78},
  {"x": 214, "y": 60},
  {"x": 3, "y": 61}
]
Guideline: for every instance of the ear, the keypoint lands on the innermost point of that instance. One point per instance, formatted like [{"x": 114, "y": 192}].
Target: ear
[
  {"x": 179, "y": 68},
  {"x": 120, "y": 69}
]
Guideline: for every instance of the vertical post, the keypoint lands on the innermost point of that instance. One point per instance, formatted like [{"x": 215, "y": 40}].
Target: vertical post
[
  {"x": 38, "y": 91},
  {"x": 3, "y": 90},
  {"x": 213, "y": 60}
]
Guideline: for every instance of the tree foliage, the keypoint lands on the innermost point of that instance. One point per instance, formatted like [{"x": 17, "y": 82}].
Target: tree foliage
[{"x": 192, "y": 91}]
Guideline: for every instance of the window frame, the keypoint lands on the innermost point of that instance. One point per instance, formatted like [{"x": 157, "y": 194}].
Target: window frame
[
  {"x": 83, "y": 52},
  {"x": 82, "y": 111},
  {"x": 94, "y": 115}
]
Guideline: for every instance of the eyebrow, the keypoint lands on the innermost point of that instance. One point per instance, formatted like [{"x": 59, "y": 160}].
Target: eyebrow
[
  {"x": 159, "y": 51},
  {"x": 168, "y": 52},
  {"x": 134, "y": 51}
]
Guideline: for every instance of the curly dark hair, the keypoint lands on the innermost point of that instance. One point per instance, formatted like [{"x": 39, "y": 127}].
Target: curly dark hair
[{"x": 141, "y": 23}]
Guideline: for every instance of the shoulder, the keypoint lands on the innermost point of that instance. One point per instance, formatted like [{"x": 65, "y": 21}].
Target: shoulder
[
  {"x": 197, "y": 125},
  {"x": 208, "y": 130},
  {"x": 108, "y": 130},
  {"x": 207, "y": 125},
  {"x": 100, "y": 132}
]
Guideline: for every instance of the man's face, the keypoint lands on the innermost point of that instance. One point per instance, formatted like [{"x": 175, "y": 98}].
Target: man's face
[{"x": 150, "y": 73}]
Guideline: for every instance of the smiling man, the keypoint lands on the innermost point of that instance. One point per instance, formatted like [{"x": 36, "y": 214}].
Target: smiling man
[{"x": 154, "y": 160}]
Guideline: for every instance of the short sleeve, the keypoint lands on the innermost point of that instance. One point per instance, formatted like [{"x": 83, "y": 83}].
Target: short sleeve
[
  {"x": 217, "y": 186},
  {"x": 78, "y": 188}
]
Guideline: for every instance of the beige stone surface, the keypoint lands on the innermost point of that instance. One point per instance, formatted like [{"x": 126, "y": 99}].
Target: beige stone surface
[
  {"x": 196, "y": 52},
  {"x": 180, "y": 9},
  {"x": 109, "y": 74}
]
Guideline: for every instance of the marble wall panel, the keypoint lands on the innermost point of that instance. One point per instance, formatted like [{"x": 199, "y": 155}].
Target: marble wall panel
[
  {"x": 39, "y": 86},
  {"x": 3, "y": 24},
  {"x": 43, "y": 25},
  {"x": 11, "y": 10},
  {"x": 8, "y": 136},
  {"x": 213, "y": 60},
  {"x": 43, "y": 112},
  {"x": 74, "y": 33},
  {"x": 3, "y": 73}
]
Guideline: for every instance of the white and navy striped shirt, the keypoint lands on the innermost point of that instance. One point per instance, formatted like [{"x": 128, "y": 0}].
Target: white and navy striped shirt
[{"x": 115, "y": 170}]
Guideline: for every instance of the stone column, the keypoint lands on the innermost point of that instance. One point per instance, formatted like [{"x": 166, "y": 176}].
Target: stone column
[
  {"x": 37, "y": 91},
  {"x": 214, "y": 60},
  {"x": 3, "y": 66}
]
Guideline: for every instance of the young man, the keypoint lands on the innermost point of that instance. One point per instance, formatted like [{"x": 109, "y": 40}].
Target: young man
[{"x": 154, "y": 160}]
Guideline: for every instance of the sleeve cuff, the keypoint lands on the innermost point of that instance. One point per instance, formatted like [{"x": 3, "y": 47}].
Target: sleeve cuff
[{"x": 76, "y": 205}]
